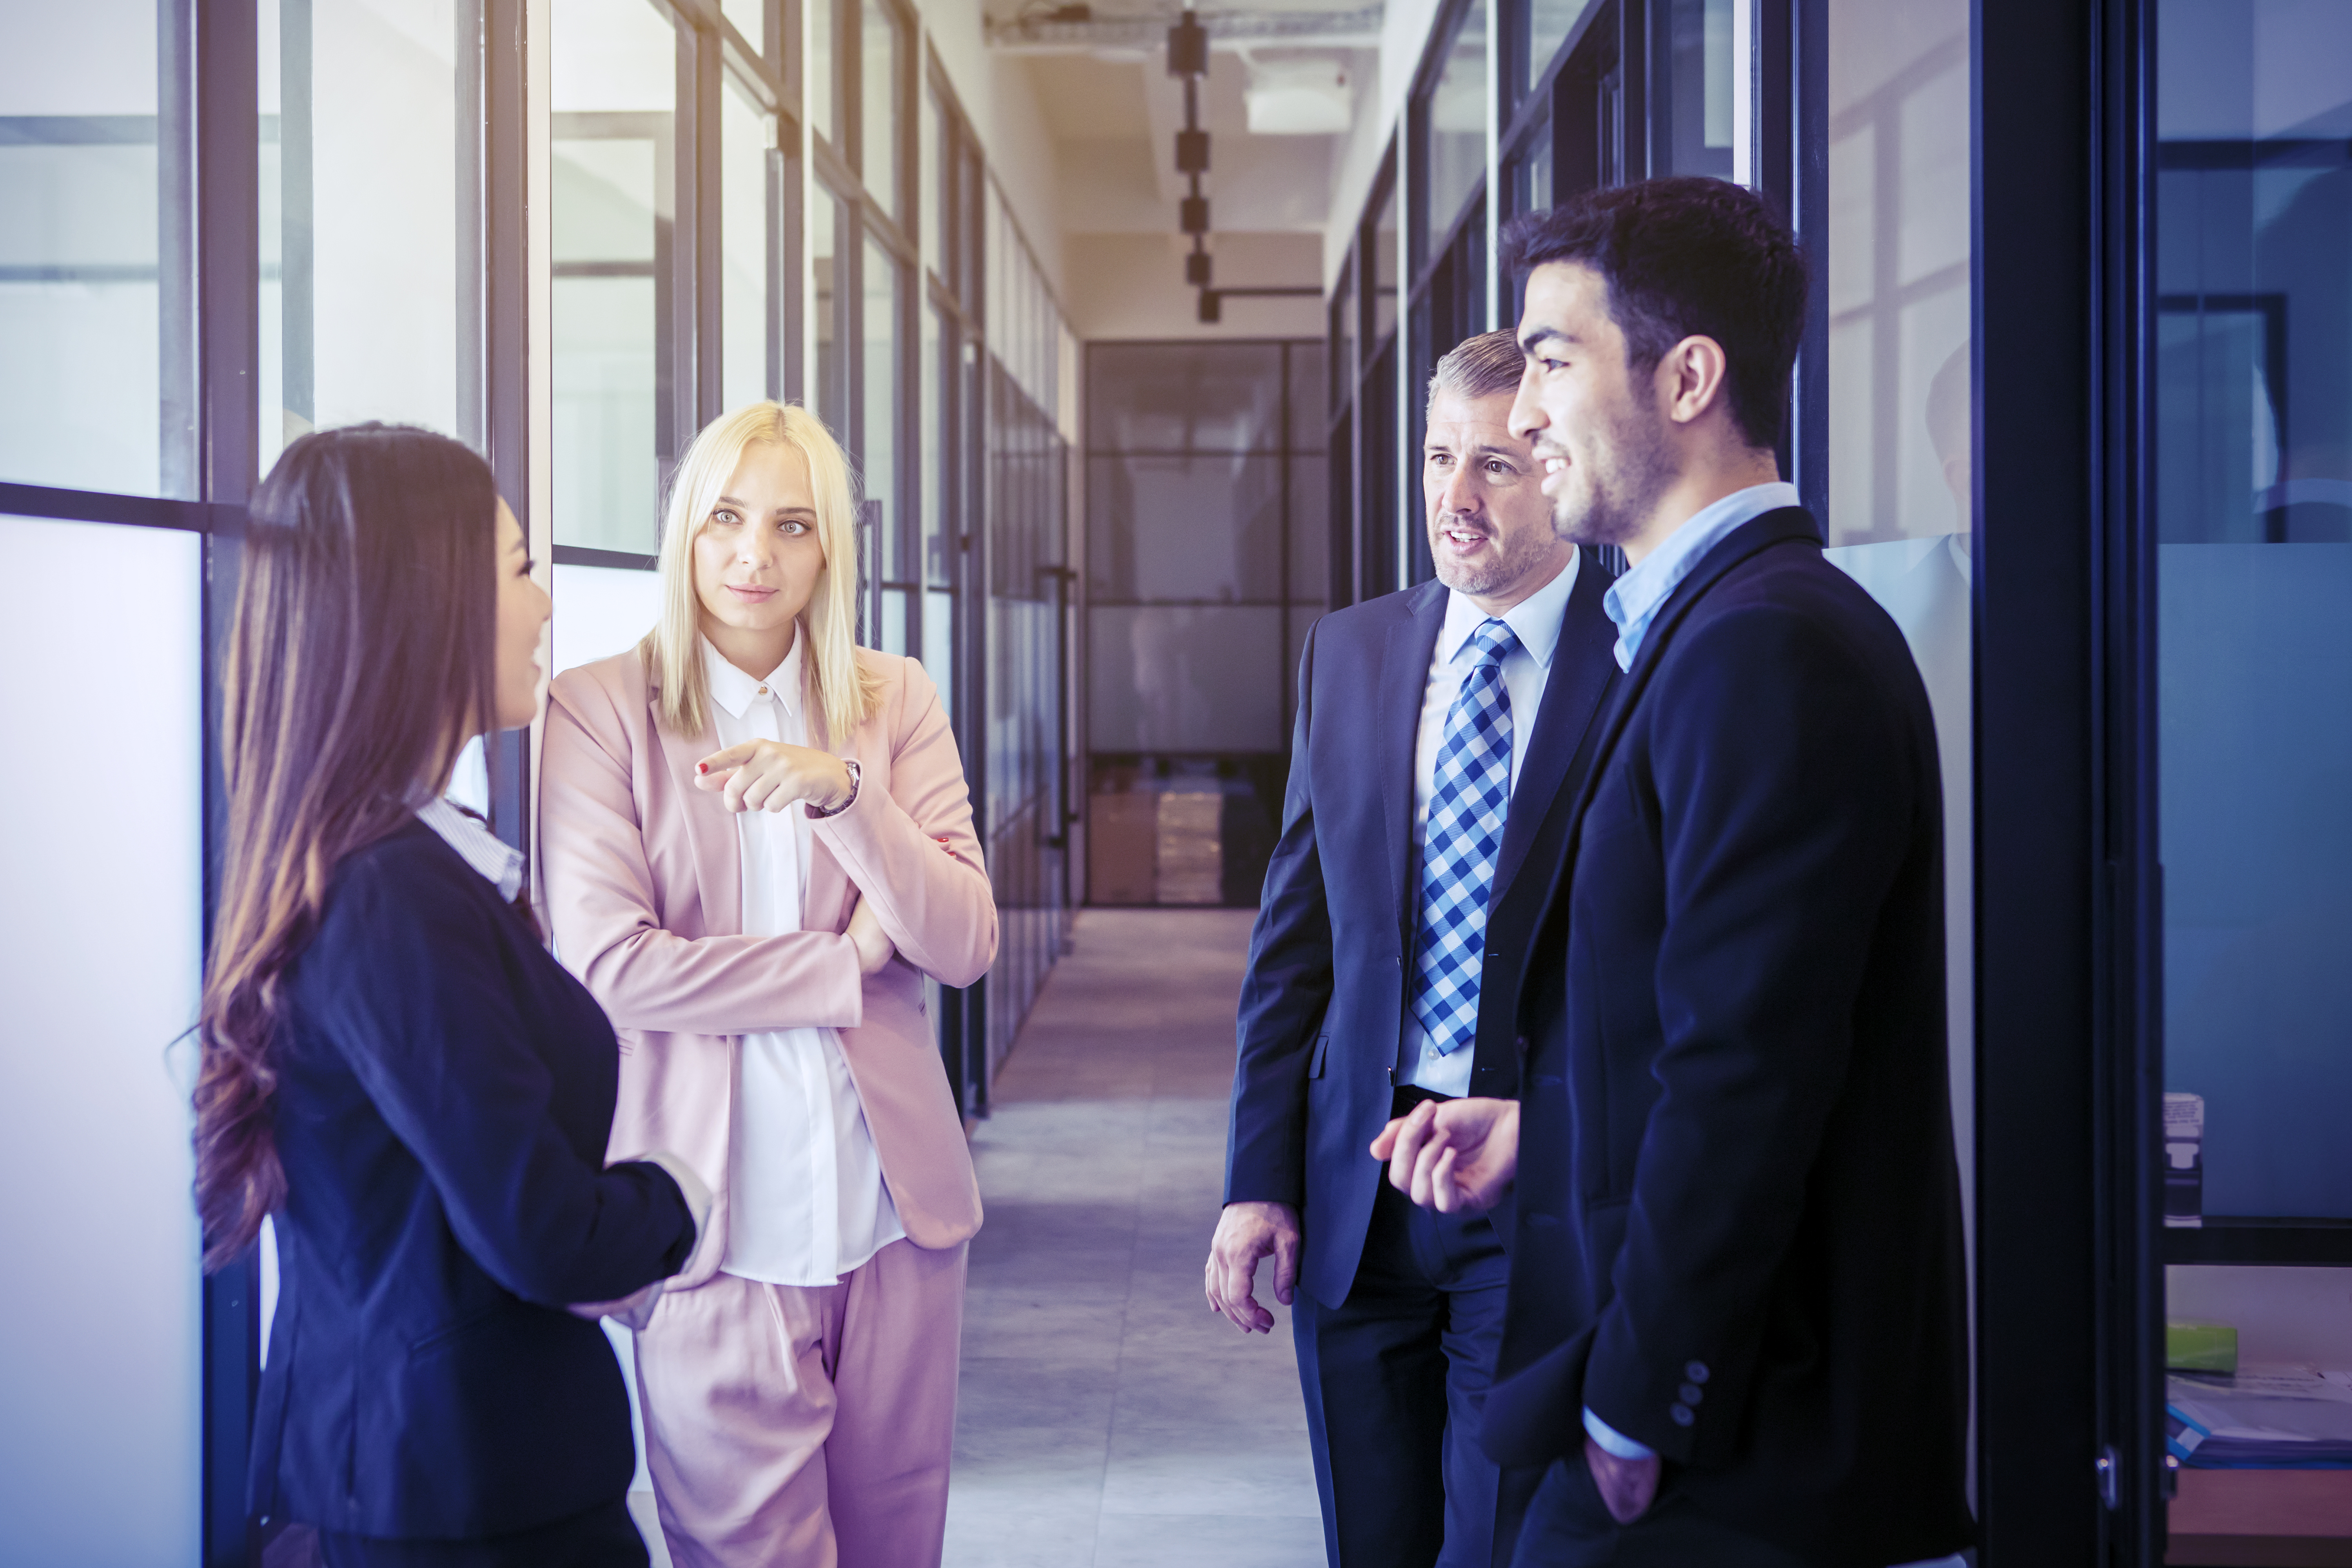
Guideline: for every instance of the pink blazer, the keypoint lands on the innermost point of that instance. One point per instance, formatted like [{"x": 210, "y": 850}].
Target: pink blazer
[{"x": 644, "y": 888}]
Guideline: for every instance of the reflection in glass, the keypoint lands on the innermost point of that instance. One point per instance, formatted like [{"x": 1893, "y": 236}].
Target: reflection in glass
[
  {"x": 1698, "y": 105},
  {"x": 612, "y": 158},
  {"x": 877, "y": 104},
  {"x": 365, "y": 313},
  {"x": 2254, "y": 413},
  {"x": 1204, "y": 529},
  {"x": 878, "y": 462},
  {"x": 1457, "y": 128},
  {"x": 746, "y": 226},
  {"x": 938, "y": 562},
  {"x": 1550, "y": 22},
  {"x": 1180, "y": 677},
  {"x": 1383, "y": 267},
  {"x": 820, "y": 69},
  {"x": 824, "y": 219},
  {"x": 1159, "y": 397},
  {"x": 81, "y": 400}
]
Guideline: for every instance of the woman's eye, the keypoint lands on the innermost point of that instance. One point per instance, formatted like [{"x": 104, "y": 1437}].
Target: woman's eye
[
  {"x": 724, "y": 516},
  {"x": 796, "y": 526}
]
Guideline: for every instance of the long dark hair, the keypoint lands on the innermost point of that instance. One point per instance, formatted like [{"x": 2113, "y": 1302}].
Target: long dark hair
[{"x": 362, "y": 661}]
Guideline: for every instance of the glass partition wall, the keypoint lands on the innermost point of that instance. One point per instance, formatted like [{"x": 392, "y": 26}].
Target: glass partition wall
[{"x": 229, "y": 225}]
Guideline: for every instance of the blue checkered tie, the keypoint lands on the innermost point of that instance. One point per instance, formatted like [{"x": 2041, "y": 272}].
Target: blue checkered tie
[{"x": 1471, "y": 797}]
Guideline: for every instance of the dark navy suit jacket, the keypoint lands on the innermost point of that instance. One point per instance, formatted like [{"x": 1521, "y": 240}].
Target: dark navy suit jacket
[
  {"x": 1322, "y": 1006},
  {"x": 443, "y": 1097},
  {"x": 1738, "y": 1225}
]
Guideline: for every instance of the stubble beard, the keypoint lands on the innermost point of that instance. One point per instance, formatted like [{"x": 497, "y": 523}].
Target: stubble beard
[
  {"x": 1511, "y": 562},
  {"x": 1629, "y": 470}
]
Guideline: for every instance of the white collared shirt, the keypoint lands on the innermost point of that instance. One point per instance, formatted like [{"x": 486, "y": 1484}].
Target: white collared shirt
[
  {"x": 1536, "y": 622},
  {"x": 499, "y": 862},
  {"x": 1633, "y": 600},
  {"x": 807, "y": 1202}
]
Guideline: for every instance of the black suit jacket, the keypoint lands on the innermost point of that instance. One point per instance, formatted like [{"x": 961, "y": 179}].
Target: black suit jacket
[
  {"x": 443, "y": 1097},
  {"x": 1738, "y": 1228},
  {"x": 1322, "y": 1006}
]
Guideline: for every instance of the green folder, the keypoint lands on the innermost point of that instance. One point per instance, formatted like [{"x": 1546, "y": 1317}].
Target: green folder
[{"x": 2192, "y": 1346}]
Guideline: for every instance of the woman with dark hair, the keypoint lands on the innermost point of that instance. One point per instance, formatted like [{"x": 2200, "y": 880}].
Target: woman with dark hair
[{"x": 393, "y": 1066}]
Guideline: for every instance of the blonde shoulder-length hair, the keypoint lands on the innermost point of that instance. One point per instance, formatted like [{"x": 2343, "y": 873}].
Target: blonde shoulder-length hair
[{"x": 846, "y": 691}]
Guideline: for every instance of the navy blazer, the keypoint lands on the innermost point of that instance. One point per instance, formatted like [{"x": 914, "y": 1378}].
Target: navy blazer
[
  {"x": 1738, "y": 1210},
  {"x": 1322, "y": 1004},
  {"x": 444, "y": 1091}
]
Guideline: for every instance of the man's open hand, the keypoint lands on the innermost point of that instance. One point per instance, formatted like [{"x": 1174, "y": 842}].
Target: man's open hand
[
  {"x": 1627, "y": 1487},
  {"x": 1455, "y": 1157},
  {"x": 1245, "y": 1233}
]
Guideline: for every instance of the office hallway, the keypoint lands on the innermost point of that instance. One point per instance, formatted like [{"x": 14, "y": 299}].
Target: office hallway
[{"x": 1107, "y": 1418}]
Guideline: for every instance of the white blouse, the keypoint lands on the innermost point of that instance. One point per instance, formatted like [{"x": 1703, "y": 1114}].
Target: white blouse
[{"x": 808, "y": 1202}]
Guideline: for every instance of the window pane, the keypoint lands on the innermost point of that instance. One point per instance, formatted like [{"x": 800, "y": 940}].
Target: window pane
[
  {"x": 817, "y": 82},
  {"x": 1697, "y": 114},
  {"x": 939, "y": 644},
  {"x": 878, "y": 105},
  {"x": 1160, "y": 398},
  {"x": 1187, "y": 677},
  {"x": 1383, "y": 267},
  {"x": 1310, "y": 530},
  {"x": 832, "y": 371},
  {"x": 2254, "y": 418},
  {"x": 747, "y": 225},
  {"x": 878, "y": 461},
  {"x": 1550, "y": 22},
  {"x": 750, "y": 19},
  {"x": 1457, "y": 128},
  {"x": 104, "y": 1399},
  {"x": 1201, "y": 528},
  {"x": 613, "y": 160},
  {"x": 365, "y": 311},
  {"x": 931, "y": 170},
  {"x": 939, "y": 560},
  {"x": 1310, "y": 393},
  {"x": 81, "y": 400}
]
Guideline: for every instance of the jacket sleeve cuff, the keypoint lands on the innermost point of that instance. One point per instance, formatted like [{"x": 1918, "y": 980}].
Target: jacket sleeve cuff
[
  {"x": 1612, "y": 1441},
  {"x": 689, "y": 1186}
]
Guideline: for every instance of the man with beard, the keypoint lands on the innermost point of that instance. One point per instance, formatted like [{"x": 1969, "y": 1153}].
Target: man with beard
[
  {"x": 1442, "y": 732},
  {"x": 1736, "y": 1325}
]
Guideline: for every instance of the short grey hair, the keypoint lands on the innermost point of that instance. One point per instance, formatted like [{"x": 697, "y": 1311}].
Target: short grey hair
[{"x": 1482, "y": 366}]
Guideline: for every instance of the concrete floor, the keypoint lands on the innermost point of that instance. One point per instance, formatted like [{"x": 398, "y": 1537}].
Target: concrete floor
[{"x": 1108, "y": 1418}]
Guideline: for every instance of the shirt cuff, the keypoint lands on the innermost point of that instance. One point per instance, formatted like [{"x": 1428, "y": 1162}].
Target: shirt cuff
[
  {"x": 1612, "y": 1441},
  {"x": 697, "y": 1195}
]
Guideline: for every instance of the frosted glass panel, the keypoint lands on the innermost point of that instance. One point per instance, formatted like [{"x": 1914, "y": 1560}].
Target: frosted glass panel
[
  {"x": 601, "y": 611},
  {"x": 1187, "y": 678},
  {"x": 99, "y": 1450}
]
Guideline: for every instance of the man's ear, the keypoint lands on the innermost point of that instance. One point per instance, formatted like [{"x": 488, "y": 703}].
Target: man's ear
[{"x": 1695, "y": 372}]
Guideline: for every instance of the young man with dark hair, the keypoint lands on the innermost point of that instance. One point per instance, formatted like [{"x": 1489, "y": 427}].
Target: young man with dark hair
[{"x": 1736, "y": 1331}]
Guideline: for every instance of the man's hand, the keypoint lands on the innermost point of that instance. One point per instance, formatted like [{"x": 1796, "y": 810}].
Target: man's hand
[
  {"x": 1245, "y": 1233},
  {"x": 1455, "y": 1157},
  {"x": 769, "y": 775},
  {"x": 1627, "y": 1487},
  {"x": 875, "y": 948}
]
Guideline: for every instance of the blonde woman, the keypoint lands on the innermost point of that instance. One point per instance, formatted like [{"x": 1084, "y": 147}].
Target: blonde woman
[{"x": 757, "y": 843}]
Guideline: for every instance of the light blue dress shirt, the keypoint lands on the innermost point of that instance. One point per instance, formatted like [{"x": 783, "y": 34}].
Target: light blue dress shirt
[
  {"x": 1632, "y": 603},
  {"x": 1633, "y": 600}
]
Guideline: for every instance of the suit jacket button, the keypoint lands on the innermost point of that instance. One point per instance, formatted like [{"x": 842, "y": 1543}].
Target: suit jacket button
[
  {"x": 1683, "y": 1414},
  {"x": 1695, "y": 1372},
  {"x": 1692, "y": 1393},
  {"x": 1522, "y": 1042}
]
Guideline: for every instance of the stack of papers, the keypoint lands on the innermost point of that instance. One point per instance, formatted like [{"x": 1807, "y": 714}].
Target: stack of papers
[{"x": 2259, "y": 1418}]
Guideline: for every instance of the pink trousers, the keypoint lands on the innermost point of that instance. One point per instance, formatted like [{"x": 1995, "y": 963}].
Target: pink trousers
[{"x": 793, "y": 1427}]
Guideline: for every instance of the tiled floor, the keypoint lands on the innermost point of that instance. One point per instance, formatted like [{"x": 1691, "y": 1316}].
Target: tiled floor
[{"x": 1108, "y": 1420}]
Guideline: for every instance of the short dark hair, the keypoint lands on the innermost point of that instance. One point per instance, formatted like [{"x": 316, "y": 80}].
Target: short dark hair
[{"x": 1686, "y": 256}]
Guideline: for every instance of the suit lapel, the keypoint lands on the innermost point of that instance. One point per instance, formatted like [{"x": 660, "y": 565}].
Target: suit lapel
[
  {"x": 1581, "y": 665},
  {"x": 710, "y": 827},
  {"x": 1757, "y": 534},
  {"x": 1404, "y": 682}
]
